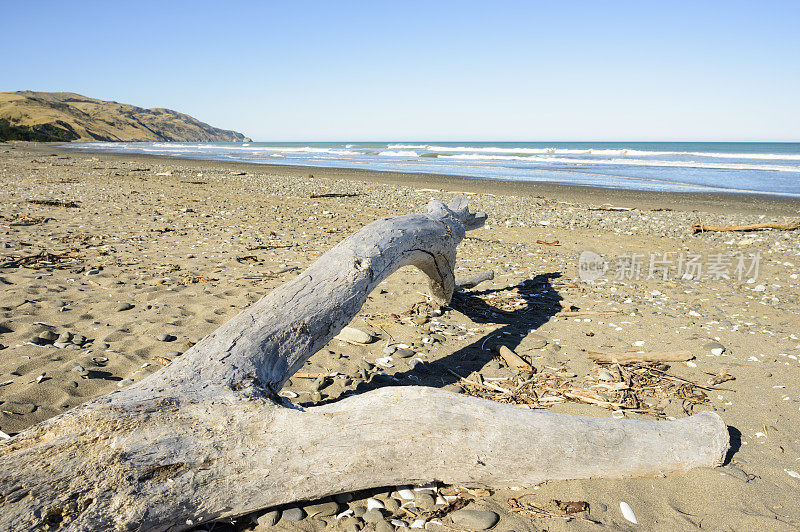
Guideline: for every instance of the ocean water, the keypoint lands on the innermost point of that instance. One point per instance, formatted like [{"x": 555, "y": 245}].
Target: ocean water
[{"x": 742, "y": 167}]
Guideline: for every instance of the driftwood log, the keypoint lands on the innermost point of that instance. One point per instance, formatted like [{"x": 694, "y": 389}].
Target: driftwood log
[
  {"x": 208, "y": 437},
  {"x": 703, "y": 228}
]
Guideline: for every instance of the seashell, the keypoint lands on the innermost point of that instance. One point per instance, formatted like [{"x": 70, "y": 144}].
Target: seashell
[
  {"x": 792, "y": 473},
  {"x": 419, "y": 523},
  {"x": 373, "y": 504},
  {"x": 402, "y": 346},
  {"x": 426, "y": 487},
  {"x": 627, "y": 512},
  {"x": 618, "y": 414},
  {"x": 4, "y": 436},
  {"x": 346, "y": 513},
  {"x": 406, "y": 494},
  {"x": 440, "y": 500},
  {"x": 398, "y": 522},
  {"x": 99, "y": 360},
  {"x": 287, "y": 394},
  {"x": 433, "y": 522}
]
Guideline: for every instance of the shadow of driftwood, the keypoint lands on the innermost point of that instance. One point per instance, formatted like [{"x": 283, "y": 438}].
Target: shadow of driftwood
[{"x": 542, "y": 302}]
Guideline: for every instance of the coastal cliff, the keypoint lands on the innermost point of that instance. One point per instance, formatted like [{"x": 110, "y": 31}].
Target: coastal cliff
[{"x": 66, "y": 116}]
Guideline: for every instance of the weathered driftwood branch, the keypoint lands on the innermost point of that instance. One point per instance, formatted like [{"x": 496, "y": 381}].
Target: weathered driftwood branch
[
  {"x": 701, "y": 228},
  {"x": 206, "y": 437}
]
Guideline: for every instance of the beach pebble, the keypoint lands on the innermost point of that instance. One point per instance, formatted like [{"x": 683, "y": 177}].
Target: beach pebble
[
  {"x": 61, "y": 345},
  {"x": 383, "y": 526},
  {"x": 293, "y": 514},
  {"x": 172, "y": 354},
  {"x": 354, "y": 336},
  {"x": 389, "y": 349},
  {"x": 419, "y": 320},
  {"x": 124, "y": 382},
  {"x": 48, "y": 336},
  {"x": 405, "y": 494},
  {"x": 535, "y": 341},
  {"x": 165, "y": 337},
  {"x": 124, "y": 306},
  {"x": 715, "y": 348},
  {"x": 474, "y": 519},
  {"x": 64, "y": 337},
  {"x": 78, "y": 339},
  {"x": 627, "y": 512},
  {"x": 391, "y": 504},
  {"x": 424, "y": 500},
  {"x": 270, "y": 518},
  {"x": 343, "y": 498},
  {"x": 404, "y": 352},
  {"x": 373, "y": 516},
  {"x": 323, "y": 509}
]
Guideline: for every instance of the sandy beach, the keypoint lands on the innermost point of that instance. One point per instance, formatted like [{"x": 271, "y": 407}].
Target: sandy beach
[{"x": 111, "y": 266}]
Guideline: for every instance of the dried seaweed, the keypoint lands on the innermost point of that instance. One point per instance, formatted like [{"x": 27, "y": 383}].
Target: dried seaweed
[
  {"x": 43, "y": 259},
  {"x": 55, "y": 203},
  {"x": 644, "y": 388}
]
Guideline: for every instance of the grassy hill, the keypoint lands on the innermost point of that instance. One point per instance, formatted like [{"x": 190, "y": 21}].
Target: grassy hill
[{"x": 66, "y": 116}]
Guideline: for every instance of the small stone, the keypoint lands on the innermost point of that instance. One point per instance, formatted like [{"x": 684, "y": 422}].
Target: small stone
[
  {"x": 389, "y": 349},
  {"x": 77, "y": 367},
  {"x": 474, "y": 519},
  {"x": 354, "y": 336},
  {"x": 535, "y": 341},
  {"x": 353, "y": 528},
  {"x": 359, "y": 511},
  {"x": 165, "y": 337},
  {"x": 72, "y": 384},
  {"x": 270, "y": 518},
  {"x": 173, "y": 354},
  {"x": 62, "y": 345},
  {"x": 373, "y": 516},
  {"x": 316, "y": 397},
  {"x": 124, "y": 382},
  {"x": 78, "y": 339},
  {"x": 124, "y": 306},
  {"x": 419, "y": 320},
  {"x": 455, "y": 388},
  {"x": 715, "y": 348},
  {"x": 323, "y": 509},
  {"x": 64, "y": 338},
  {"x": 391, "y": 504},
  {"x": 424, "y": 500},
  {"x": 293, "y": 514},
  {"x": 404, "y": 352},
  {"x": 48, "y": 336},
  {"x": 343, "y": 498},
  {"x": 383, "y": 526}
]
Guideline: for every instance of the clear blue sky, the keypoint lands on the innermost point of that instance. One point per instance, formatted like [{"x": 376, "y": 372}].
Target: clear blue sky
[{"x": 554, "y": 70}]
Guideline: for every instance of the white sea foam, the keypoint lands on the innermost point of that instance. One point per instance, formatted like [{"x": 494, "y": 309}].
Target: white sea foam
[{"x": 399, "y": 153}]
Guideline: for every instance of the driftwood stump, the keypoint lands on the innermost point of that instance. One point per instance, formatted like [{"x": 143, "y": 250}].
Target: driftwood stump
[{"x": 207, "y": 436}]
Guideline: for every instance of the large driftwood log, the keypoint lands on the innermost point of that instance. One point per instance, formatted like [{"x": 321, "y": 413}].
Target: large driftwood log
[{"x": 207, "y": 437}]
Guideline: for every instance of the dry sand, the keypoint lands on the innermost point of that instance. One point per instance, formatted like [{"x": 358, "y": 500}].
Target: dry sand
[{"x": 188, "y": 250}]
